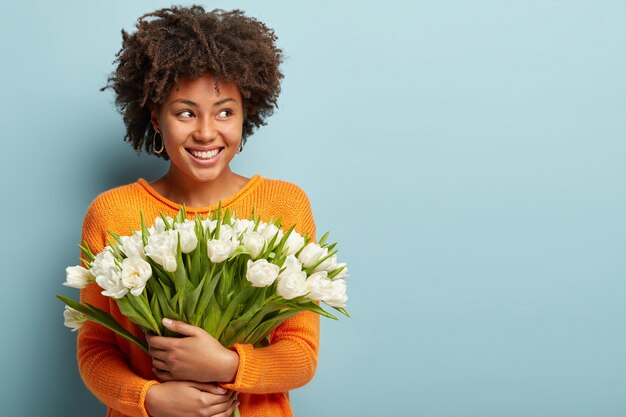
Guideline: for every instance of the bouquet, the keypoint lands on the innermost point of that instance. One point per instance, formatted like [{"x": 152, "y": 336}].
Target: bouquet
[{"x": 238, "y": 279}]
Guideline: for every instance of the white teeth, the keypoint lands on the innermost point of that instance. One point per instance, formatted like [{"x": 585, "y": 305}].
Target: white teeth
[{"x": 204, "y": 155}]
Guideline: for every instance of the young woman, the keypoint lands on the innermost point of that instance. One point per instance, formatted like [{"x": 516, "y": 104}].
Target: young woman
[{"x": 192, "y": 86}]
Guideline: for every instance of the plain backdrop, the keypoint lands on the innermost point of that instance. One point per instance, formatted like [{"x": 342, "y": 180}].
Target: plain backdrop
[{"x": 468, "y": 156}]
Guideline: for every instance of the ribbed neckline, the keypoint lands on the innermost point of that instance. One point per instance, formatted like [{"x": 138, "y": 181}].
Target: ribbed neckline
[{"x": 247, "y": 188}]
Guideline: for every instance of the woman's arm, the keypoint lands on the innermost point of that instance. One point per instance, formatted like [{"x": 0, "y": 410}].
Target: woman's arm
[{"x": 103, "y": 367}]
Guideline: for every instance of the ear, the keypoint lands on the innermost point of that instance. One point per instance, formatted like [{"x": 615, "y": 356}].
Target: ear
[{"x": 154, "y": 118}]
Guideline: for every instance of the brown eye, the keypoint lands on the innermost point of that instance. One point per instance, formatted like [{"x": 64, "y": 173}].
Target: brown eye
[
  {"x": 185, "y": 114},
  {"x": 224, "y": 114}
]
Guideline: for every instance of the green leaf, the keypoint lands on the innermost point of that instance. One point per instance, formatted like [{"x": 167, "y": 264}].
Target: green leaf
[
  {"x": 156, "y": 311},
  {"x": 87, "y": 251},
  {"x": 263, "y": 330},
  {"x": 181, "y": 216},
  {"x": 209, "y": 281},
  {"x": 211, "y": 318},
  {"x": 133, "y": 308},
  {"x": 281, "y": 245},
  {"x": 336, "y": 272},
  {"x": 323, "y": 239},
  {"x": 342, "y": 311},
  {"x": 104, "y": 319},
  {"x": 166, "y": 309},
  {"x": 239, "y": 300},
  {"x": 310, "y": 269},
  {"x": 227, "y": 216},
  {"x": 144, "y": 230},
  {"x": 311, "y": 306},
  {"x": 180, "y": 275},
  {"x": 168, "y": 226}
]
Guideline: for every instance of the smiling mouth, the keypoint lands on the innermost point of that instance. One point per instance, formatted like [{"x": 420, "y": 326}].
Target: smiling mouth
[{"x": 204, "y": 154}]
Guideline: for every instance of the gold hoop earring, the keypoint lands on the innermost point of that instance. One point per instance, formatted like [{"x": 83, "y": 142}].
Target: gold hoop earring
[{"x": 154, "y": 141}]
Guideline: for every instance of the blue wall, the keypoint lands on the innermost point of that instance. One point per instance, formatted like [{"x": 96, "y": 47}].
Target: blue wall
[{"x": 467, "y": 155}]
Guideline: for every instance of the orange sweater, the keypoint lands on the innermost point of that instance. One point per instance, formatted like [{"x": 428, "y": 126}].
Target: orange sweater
[{"x": 119, "y": 373}]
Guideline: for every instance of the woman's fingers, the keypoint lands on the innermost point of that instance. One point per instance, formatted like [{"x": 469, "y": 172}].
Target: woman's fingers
[
  {"x": 229, "y": 411},
  {"x": 163, "y": 376}
]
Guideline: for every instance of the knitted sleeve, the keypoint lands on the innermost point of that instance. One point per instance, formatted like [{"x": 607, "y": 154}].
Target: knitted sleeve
[
  {"x": 102, "y": 365},
  {"x": 290, "y": 360}
]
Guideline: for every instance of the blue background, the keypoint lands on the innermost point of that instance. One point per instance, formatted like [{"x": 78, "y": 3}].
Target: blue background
[{"x": 467, "y": 155}]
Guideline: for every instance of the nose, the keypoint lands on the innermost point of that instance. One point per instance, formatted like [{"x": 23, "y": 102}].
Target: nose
[{"x": 205, "y": 131}]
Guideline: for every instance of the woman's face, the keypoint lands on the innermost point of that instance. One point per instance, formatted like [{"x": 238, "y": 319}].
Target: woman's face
[{"x": 201, "y": 129}]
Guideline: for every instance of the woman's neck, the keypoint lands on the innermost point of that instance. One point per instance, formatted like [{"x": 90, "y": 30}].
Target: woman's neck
[{"x": 181, "y": 189}]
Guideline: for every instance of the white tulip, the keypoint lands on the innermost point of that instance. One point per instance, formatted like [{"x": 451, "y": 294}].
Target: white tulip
[
  {"x": 219, "y": 250},
  {"x": 188, "y": 237},
  {"x": 311, "y": 254},
  {"x": 292, "y": 284},
  {"x": 344, "y": 272},
  {"x": 292, "y": 264},
  {"x": 112, "y": 284},
  {"x": 318, "y": 285},
  {"x": 108, "y": 274},
  {"x": 73, "y": 319},
  {"x": 209, "y": 225},
  {"x": 226, "y": 232},
  {"x": 133, "y": 245},
  {"x": 255, "y": 243},
  {"x": 159, "y": 225},
  {"x": 162, "y": 248},
  {"x": 78, "y": 277},
  {"x": 135, "y": 273},
  {"x": 261, "y": 273},
  {"x": 336, "y": 296},
  {"x": 328, "y": 265},
  {"x": 269, "y": 231},
  {"x": 294, "y": 243},
  {"x": 243, "y": 226}
]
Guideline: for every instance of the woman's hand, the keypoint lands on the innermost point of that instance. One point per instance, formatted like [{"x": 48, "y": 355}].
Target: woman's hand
[
  {"x": 195, "y": 357},
  {"x": 189, "y": 399}
]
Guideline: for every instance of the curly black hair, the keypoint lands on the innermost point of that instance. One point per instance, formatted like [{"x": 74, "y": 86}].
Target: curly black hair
[{"x": 177, "y": 42}]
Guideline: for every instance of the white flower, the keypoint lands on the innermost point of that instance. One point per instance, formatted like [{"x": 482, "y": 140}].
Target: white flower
[
  {"x": 329, "y": 265},
  {"x": 188, "y": 237},
  {"x": 162, "y": 248},
  {"x": 73, "y": 319},
  {"x": 133, "y": 245},
  {"x": 159, "y": 225},
  {"x": 108, "y": 274},
  {"x": 292, "y": 264},
  {"x": 318, "y": 285},
  {"x": 292, "y": 284},
  {"x": 226, "y": 232},
  {"x": 243, "y": 226},
  {"x": 135, "y": 274},
  {"x": 78, "y": 277},
  {"x": 269, "y": 231},
  {"x": 343, "y": 273},
  {"x": 209, "y": 225},
  {"x": 332, "y": 292},
  {"x": 294, "y": 243},
  {"x": 261, "y": 273},
  {"x": 337, "y": 296},
  {"x": 219, "y": 250},
  {"x": 311, "y": 254},
  {"x": 255, "y": 243}
]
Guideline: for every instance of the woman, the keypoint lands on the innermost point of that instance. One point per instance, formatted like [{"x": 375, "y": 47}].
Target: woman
[{"x": 192, "y": 86}]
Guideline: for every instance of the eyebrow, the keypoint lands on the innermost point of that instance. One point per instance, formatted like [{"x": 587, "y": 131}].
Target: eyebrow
[{"x": 194, "y": 104}]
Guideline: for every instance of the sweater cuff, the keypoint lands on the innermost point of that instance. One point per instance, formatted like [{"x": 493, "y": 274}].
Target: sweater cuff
[
  {"x": 142, "y": 398},
  {"x": 244, "y": 369}
]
